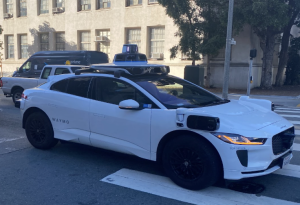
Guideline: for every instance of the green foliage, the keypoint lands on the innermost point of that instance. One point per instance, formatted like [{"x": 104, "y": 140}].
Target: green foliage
[
  {"x": 293, "y": 66},
  {"x": 201, "y": 25}
]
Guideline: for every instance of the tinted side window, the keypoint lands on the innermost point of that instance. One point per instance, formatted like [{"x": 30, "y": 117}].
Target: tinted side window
[
  {"x": 60, "y": 71},
  {"x": 60, "y": 86},
  {"x": 38, "y": 63},
  {"x": 46, "y": 73},
  {"x": 114, "y": 91},
  {"x": 79, "y": 86}
]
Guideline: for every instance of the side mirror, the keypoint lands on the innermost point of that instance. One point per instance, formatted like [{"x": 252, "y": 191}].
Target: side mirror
[{"x": 129, "y": 105}]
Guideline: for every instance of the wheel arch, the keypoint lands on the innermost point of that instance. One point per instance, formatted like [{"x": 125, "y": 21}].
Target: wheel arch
[
  {"x": 28, "y": 112},
  {"x": 15, "y": 87},
  {"x": 171, "y": 135}
]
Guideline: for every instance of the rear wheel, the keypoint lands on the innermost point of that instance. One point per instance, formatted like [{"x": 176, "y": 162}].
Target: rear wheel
[
  {"x": 191, "y": 162},
  {"x": 17, "y": 94},
  {"x": 39, "y": 131}
]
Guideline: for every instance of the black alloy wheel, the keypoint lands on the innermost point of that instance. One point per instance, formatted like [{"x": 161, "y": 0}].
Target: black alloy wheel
[
  {"x": 187, "y": 164},
  {"x": 39, "y": 131},
  {"x": 192, "y": 162}
]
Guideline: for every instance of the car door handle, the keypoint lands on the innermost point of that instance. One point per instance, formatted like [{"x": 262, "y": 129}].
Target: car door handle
[{"x": 98, "y": 115}]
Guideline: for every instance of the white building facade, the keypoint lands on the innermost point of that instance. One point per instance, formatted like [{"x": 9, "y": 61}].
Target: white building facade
[{"x": 105, "y": 25}]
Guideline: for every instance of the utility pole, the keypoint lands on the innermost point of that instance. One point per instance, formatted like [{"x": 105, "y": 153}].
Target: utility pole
[{"x": 229, "y": 41}]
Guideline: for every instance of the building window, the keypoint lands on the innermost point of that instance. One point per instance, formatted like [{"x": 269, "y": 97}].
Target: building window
[
  {"x": 134, "y": 2},
  {"x": 10, "y": 47},
  {"x": 44, "y": 7},
  {"x": 103, "y": 4},
  {"x": 44, "y": 42},
  {"x": 60, "y": 3},
  {"x": 60, "y": 41},
  {"x": 23, "y": 46},
  {"x": 134, "y": 37},
  {"x": 23, "y": 8},
  {"x": 157, "y": 41},
  {"x": 153, "y": 1},
  {"x": 85, "y": 40},
  {"x": 85, "y": 5},
  {"x": 9, "y": 6},
  {"x": 104, "y": 41}
]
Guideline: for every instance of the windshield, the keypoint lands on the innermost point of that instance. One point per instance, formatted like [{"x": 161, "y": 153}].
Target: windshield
[{"x": 174, "y": 92}]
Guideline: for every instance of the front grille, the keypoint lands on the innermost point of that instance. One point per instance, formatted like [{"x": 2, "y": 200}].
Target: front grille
[{"x": 283, "y": 141}]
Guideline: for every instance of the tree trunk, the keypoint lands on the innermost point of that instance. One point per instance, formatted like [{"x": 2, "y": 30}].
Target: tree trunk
[
  {"x": 283, "y": 57},
  {"x": 268, "y": 52},
  {"x": 208, "y": 74}
]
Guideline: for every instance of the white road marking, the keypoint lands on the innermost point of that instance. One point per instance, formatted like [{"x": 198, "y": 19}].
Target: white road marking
[
  {"x": 297, "y": 132},
  {"x": 163, "y": 186},
  {"x": 289, "y": 170},
  {"x": 296, "y": 147},
  {"x": 287, "y": 111},
  {"x": 9, "y": 140},
  {"x": 282, "y": 108},
  {"x": 293, "y": 116},
  {"x": 295, "y": 122}
]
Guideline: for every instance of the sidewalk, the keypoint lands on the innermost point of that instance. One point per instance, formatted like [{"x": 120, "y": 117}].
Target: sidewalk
[{"x": 286, "y": 90}]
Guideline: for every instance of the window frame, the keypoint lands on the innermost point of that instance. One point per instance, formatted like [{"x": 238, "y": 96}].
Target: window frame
[
  {"x": 9, "y": 6},
  {"x": 80, "y": 5},
  {"x": 22, "y": 9},
  {"x": 44, "y": 43},
  {"x": 42, "y": 6},
  {"x": 85, "y": 42},
  {"x": 10, "y": 54},
  {"x": 128, "y": 3},
  {"x": 103, "y": 1},
  {"x": 106, "y": 48},
  {"x": 150, "y": 3},
  {"x": 138, "y": 42},
  {"x": 61, "y": 43},
  {"x": 23, "y": 46},
  {"x": 56, "y": 3},
  {"x": 95, "y": 93},
  {"x": 156, "y": 40}
]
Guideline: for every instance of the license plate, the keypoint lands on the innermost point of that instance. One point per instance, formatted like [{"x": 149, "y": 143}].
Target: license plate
[{"x": 286, "y": 160}]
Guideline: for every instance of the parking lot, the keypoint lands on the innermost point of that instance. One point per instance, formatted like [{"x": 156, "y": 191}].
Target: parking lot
[{"x": 78, "y": 174}]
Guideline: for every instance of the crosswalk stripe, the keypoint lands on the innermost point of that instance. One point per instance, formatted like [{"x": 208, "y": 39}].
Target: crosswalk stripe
[
  {"x": 282, "y": 108},
  {"x": 295, "y": 122},
  {"x": 297, "y": 132},
  {"x": 287, "y": 111},
  {"x": 163, "y": 186},
  {"x": 296, "y": 147},
  {"x": 290, "y": 170},
  {"x": 292, "y": 116}
]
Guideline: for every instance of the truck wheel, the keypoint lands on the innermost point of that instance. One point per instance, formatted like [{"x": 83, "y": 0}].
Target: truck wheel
[
  {"x": 39, "y": 131},
  {"x": 191, "y": 162},
  {"x": 17, "y": 94}
]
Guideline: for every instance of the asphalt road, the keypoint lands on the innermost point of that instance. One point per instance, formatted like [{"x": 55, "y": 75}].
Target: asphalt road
[{"x": 72, "y": 173}]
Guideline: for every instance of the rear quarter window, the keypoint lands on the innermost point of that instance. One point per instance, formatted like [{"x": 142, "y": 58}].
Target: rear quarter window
[{"x": 60, "y": 86}]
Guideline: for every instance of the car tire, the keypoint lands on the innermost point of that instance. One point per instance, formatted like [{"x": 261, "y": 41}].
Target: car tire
[
  {"x": 39, "y": 131},
  {"x": 17, "y": 94},
  {"x": 191, "y": 162}
]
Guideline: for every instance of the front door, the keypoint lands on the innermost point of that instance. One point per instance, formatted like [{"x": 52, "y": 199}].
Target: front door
[{"x": 116, "y": 129}]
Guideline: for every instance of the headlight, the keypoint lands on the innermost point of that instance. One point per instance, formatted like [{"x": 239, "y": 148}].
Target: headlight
[{"x": 239, "y": 139}]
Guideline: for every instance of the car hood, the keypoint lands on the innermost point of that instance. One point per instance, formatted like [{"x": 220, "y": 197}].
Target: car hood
[{"x": 239, "y": 115}]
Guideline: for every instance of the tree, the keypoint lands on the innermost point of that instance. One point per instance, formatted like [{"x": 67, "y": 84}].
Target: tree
[
  {"x": 294, "y": 19},
  {"x": 293, "y": 65},
  {"x": 268, "y": 19}
]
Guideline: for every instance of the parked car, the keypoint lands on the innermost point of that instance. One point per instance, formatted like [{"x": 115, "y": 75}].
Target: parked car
[
  {"x": 14, "y": 86},
  {"x": 33, "y": 66},
  {"x": 138, "y": 108}
]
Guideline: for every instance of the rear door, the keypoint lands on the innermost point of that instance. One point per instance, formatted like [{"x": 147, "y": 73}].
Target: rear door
[{"x": 68, "y": 109}]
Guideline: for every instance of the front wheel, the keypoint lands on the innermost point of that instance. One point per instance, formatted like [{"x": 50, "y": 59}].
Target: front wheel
[
  {"x": 191, "y": 162},
  {"x": 39, "y": 131}
]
